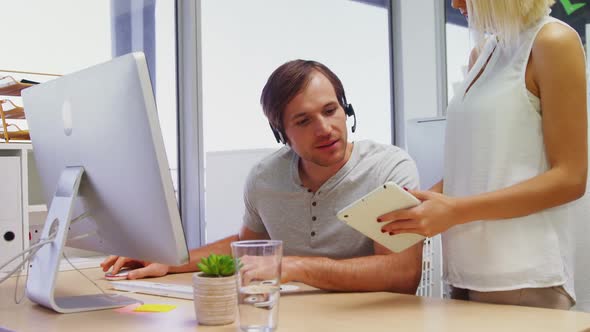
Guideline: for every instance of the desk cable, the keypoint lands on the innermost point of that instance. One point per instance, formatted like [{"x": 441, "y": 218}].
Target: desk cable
[
  {"x": 26, "y": 259},
  {"x": 18, "y": 300},
  {"x": 87, "y": 278},
  {"x": 32, "y": 250}
]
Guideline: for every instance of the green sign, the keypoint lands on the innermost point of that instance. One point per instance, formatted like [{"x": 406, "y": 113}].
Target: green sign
[{"x": 570, "y": 7}]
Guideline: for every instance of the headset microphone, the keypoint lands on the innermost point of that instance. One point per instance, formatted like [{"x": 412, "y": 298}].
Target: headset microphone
[{"x": 350, "y": 112}]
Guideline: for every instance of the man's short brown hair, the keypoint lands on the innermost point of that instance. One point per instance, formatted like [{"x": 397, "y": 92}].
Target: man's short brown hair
[{"x": 286, "y": 82}]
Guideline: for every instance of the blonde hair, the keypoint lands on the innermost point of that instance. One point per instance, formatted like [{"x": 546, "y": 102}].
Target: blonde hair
[{"x": 504, "y": 18}]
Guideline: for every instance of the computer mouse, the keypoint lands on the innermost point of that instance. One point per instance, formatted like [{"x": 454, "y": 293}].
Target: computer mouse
[{"x": 121, "y": 275}]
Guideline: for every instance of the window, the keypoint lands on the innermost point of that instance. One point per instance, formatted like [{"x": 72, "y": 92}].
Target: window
[
  {"x": 63, "y": 36},
  {"x": 242, "y": 43}
]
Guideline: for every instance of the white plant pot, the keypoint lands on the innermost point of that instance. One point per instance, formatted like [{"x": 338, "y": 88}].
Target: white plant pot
[{"x": 216, "y": 299}]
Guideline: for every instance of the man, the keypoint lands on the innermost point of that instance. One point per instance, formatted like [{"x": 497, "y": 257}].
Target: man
[{"x": 293, "y": 195}]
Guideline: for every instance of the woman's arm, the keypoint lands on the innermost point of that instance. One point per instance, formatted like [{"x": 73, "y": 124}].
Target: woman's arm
[
  {"x": 437, "y": 188},
  {"x": 558, "y": 66},
  {"x": 558, "y": 69}
]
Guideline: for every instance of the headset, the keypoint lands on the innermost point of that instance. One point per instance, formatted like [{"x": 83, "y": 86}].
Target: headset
[{"x": 348, "y": 110}]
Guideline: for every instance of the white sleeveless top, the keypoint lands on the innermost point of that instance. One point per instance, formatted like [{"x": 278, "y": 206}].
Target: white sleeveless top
[{"x": 494, "y": 139}]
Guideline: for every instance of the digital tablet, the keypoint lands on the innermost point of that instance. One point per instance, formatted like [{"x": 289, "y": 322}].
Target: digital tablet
[{"x": 362, "y": 215}]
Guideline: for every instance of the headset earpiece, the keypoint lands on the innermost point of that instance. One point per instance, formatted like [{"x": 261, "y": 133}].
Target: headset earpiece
[
  {"x": 349, "y": 110},
  {"x": 278, "y": 134}
]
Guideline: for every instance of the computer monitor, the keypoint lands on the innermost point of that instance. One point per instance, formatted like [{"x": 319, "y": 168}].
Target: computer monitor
[{"x": 98, "y": 128}]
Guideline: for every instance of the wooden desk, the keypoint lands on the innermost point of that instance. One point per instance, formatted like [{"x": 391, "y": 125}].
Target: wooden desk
[{"x": 311, "y": 311}]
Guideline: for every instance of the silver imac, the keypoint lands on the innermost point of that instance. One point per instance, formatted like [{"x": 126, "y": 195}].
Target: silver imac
[{"x": 100, "y": 155}]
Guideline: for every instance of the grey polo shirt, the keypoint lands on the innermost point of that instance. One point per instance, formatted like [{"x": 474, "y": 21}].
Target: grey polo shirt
[{"x": 277, "y": 202}]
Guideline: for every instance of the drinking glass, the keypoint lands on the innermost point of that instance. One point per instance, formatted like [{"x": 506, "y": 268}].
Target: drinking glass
[{"x": 258, "y": 278}]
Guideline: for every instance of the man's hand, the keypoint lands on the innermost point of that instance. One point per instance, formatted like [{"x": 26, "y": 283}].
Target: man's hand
[
  {"x": 142, "y": 269},
  {"x": 258, "y": 268}
]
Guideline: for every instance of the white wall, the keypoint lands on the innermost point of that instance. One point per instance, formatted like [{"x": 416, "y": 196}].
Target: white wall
[
  {"x": 64, "y": 36},
  {"x": 244, "y": 41},
  {"x": 42, "y": 37},
  {"x": 227, "y": 172},
  {"x": 55, "y": 36}
]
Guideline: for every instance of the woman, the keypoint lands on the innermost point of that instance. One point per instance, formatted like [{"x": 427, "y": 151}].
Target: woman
[{"x": 515, "y": 155}]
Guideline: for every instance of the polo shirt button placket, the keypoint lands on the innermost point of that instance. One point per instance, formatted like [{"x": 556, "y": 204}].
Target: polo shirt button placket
[{"x": 313, "y": 218}]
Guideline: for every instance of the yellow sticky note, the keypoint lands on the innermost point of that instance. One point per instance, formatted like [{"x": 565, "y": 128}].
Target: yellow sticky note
[{"x": 155, "y": 308}]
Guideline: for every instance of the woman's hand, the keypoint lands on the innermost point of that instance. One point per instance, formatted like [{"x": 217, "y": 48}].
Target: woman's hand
[{"x": 436, "y": 214}]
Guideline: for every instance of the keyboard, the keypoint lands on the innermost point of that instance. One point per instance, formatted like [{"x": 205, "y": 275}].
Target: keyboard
[
  {"x": 171, "y": 290},
  {"x": 155, "y": 288}
]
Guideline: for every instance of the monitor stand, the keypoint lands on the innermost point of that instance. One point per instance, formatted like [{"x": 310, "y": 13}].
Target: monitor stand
[{"x": 44, "y": 265}]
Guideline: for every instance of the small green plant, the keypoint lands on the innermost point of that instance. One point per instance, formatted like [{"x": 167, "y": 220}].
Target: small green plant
[{"x": 217, "y": 266}]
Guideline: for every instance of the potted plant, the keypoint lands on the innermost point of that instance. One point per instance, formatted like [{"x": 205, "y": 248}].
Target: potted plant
[{"x": 215, "y": 290}]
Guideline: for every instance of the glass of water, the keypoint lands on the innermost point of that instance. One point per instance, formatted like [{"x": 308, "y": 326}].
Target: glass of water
[{"x": 259, "y": 281}]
